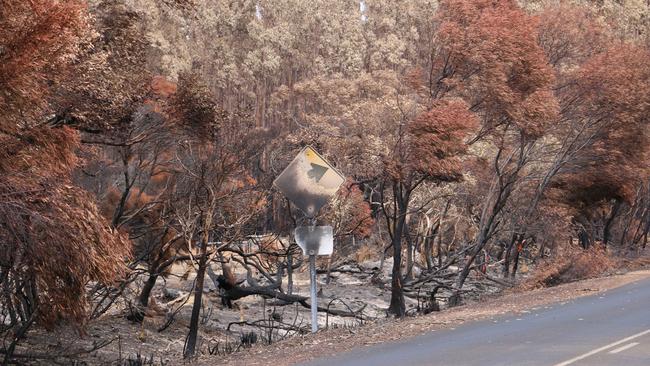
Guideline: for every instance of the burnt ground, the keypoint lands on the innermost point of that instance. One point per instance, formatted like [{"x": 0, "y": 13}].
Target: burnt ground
[
  {"x": 333, "y": 342},
  {"x": 355, "y": 285}
]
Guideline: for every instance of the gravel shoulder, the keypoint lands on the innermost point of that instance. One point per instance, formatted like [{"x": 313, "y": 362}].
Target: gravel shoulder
[{"x": 331, "y": 342}]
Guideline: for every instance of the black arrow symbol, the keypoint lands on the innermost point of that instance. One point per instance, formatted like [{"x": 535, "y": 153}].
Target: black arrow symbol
[{"x": 317, "y": 172}]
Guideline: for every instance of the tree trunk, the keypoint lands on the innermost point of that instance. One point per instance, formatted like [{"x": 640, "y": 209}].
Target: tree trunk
[
  {"x": 397, "y": 303},
  {"x": 128, "y": 183},
  {"x": 143, "y": 299},
  {"x": 583, "y": 237},
  {"x": 428, "y": 249},
  {"x": 439, "y": 247},
  {"x": 190, "y": 345},
  {"x": 409, "y": 253},
  {"x": 480, "y": 244},
  {"x": 508, "y": 255},
  {"x": 608, "y": 224},
  {"x": 515, "y": 264},
  {"x": 439, "y": 232}
]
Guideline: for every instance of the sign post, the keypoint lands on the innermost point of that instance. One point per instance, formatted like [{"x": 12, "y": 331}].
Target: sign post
[
  {"x": 314, "y": 240},
  {"x": 312, "y": 293},
  {"x": 309, "y": 181}
]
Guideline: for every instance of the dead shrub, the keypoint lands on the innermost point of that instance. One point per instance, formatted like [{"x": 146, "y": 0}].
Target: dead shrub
[
  {"x": 635, "y": 263},
  {"x": 573, "y": 264}
]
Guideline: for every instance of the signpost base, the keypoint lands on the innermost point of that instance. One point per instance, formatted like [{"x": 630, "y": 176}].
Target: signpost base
[{"x": 314, "y": 301}]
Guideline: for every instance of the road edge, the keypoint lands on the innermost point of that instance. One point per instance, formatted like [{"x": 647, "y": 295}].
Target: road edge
[{"x": 333, "y": 342}]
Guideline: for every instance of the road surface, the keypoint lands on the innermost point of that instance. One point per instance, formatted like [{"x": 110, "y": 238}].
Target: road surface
[{"x": 611, "y": 328}]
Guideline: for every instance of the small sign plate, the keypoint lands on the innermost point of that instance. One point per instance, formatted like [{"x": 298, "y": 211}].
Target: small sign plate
[
  {"x": 315, "y": 240},
  {"x": 309, "y": 181}
]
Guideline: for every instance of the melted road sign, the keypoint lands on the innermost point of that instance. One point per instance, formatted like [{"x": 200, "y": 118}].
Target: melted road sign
[
  {"x": 315, "y": 240},
  {"x": 309, "y": 181}
]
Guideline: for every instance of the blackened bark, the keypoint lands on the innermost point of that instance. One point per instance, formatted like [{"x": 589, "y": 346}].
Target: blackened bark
[
  {"x": 608, "y": 224},
  {"x": 190, "y": 345},
  {"x": 515, "y": 264},
  {"x": 583, "y": 237},
  {"x": 409, "y": 253},
  {"x": 397, "y": 303},
  {"x": 143, "y": 299},
  {"x": 236, "y": 292},
  {"x": 509, "y": 254},
  {"x": 128, "y": 183}
]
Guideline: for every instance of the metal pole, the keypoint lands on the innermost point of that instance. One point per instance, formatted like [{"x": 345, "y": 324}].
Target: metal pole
[
  {"x": 290, "y": 273},
  {"x": 314, "y": 301}
]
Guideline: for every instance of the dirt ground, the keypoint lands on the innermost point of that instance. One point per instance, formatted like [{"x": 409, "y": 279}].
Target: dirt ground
[
  {"x": 134, "y": 344},
  {"x": 131, "y": 341},
  {"x": 301, "y": 349}
]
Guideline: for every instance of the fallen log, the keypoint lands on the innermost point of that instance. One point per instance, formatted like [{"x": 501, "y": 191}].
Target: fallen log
[
  {"x": 232, "y": 292},
  {"x": 238, "y": 292}
]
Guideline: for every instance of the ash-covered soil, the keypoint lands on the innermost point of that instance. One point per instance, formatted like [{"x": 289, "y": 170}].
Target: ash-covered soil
[
  {"x": 302, "y": 349},
  {"x": 359, "y": 286}
]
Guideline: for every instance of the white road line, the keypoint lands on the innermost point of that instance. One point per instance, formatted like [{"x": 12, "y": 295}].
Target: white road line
[
  {"x": 623, "y": 348},
  {"x": 597, "y": 350}
]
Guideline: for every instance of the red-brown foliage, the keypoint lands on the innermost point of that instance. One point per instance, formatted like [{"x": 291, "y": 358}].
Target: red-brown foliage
[
  {"x": 437, "y": 139},
  {"x": 37, "y": 40},
  {"x": 569, "y": 34},
  {"x": 53, "y": 240},
  {"x": 351, "y": 213},
  {"x": 614, "y": 88},
  {"x": 489, "y": 55}
]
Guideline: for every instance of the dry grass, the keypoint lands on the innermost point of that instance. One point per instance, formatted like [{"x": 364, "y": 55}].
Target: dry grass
[
  {"x": 366, "y": 252},
  {"x": 641, "y": 261},
  {"x": 572, "y": 265}
]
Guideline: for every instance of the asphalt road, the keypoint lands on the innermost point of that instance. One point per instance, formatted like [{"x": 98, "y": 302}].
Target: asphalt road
[{"x": 612, "y": 328}]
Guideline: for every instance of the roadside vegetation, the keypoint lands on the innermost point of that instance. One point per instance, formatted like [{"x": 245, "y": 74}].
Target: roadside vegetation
[{"x": 486, "y": 145}]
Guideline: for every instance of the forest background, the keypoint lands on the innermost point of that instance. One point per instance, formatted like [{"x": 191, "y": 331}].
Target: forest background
[{"x": 478, "y": 137}]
